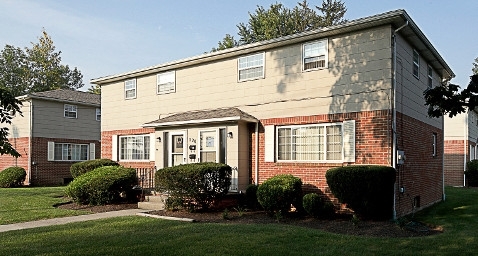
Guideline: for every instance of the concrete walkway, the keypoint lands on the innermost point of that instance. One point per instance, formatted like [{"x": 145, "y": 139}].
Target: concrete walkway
[{"x": 71, "y": 219}]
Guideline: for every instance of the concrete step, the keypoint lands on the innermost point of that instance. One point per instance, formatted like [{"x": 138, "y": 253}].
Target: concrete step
[{"x": 153, "y": 202}]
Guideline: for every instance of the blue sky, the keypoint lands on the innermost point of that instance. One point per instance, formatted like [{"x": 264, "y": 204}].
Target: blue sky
[{"x": 105, "y": 37}]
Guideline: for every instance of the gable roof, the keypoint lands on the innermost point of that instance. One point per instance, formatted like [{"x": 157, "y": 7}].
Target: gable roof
[
  {"x": 67, "y": 96},
  {"x": 220, "y": 115},
  {"x": 396, "y": 18}
]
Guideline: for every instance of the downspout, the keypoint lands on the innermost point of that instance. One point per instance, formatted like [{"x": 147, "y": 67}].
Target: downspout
[
  {"x": 30, "y": 137},
  {"x": 256, "y": 167},
  {"x": 465, "y": 147},
  {"x": 394, "y": 114},
  {"x": 443, "y": 157}
]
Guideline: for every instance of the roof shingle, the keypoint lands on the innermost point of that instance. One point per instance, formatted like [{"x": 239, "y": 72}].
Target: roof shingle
[{"x": 66, "y": 95}]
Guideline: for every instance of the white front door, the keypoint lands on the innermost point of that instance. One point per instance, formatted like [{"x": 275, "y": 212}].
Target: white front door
[{"x": 177, "y": 148}]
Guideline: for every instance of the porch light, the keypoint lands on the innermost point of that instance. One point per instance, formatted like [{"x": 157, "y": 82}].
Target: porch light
[
  {"x": 229, "y": 135},
  {"x": 159, "y": 139}
]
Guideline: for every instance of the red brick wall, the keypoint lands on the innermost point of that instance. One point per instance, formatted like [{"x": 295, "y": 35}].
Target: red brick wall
[
  {"x": 454, "y": 162},
  {"x": 46, "y": 172},
  {"x": 21, "y": 145},
  {"x": 373, "y": 146},
  {"x": 106, "y": 146},
  {"x": 422, "y": 173}
]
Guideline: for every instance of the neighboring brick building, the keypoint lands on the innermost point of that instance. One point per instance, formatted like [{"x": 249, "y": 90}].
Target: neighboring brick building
[
  {"x": 56, "y": 129},
  {"x": 461, "y": 139},
  {"x": 302, "y": 104}
]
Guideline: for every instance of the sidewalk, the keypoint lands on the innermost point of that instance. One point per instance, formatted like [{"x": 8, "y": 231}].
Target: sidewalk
[{"x": 65, "y": 220}]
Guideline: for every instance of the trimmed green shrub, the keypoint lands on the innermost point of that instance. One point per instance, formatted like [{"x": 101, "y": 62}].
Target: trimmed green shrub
[
  {"x": 194, "y": 185},
  {"x": 317, "y": 206},
  {"x": 366, "y": 189},
  {"x": 80, "y": 168},
  {"x": 103, "y": 185},
  {"x": 12, "y": 177},
  {"x": 313, "y": 204},
  {"x": 279, "y": 192},
  {"x": 251, "y": 196},
  {"x": 471, "y": 173}
]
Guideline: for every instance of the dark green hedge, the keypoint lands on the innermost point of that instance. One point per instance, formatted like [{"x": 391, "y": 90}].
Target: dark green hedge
[
  {"x": 194, "y": 185},
  {"x": 12, "y": 177},
  {"x": 366, "y": 189},
  {"x": 471, "y": 173},
  {"x": 80, "y": 168},
  {"x": 279, "y": 192},
  {"x": 103, "y": 185}
]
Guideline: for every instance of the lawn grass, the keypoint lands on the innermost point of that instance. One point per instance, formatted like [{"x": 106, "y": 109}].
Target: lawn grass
[
  {"x": 32, "y": 203},
  {"x": 146, "y": 236}
]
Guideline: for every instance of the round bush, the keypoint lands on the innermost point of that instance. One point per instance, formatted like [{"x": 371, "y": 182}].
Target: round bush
[
  {"x": 366, "y": 189},
  {"x": 103, "y": 185},
  {"x": 194, "y": 185},
  {"x": 313, "y": 204},
  {"x": 471, "y": 173},
  {"x": 251, "y": 196},
  {"x": 279, "y": 192},
  {"x": 80, "y": 168},
  {"x": 12, "y": 177}
]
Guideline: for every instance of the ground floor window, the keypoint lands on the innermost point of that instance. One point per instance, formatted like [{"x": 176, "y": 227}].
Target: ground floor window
[
  {"x": 310, "y": 142},
  {"x": 68, "y": 151},
  {"x": 135, "y": 147}
]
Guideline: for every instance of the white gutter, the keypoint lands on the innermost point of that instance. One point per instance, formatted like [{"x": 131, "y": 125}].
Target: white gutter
[
  {"x": 394, "y": 115},
  {"x": 256, "y": 167}
]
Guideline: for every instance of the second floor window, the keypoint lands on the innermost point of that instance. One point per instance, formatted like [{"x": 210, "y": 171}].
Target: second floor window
[
  {"x": 430, "y": 77},
  {"x": 70, "y": 111},
  {"x": 98, "y": 114},
  {"x": 251, "y": 67},
  {"x": 130, "y": 89},
  {"x": 416, "y": 64},
  {"x": 166, "y": 82},
  {"x": 315, "y": 55}
]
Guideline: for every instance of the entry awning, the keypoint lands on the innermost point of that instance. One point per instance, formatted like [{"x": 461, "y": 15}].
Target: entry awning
[{"x": 220, "y": 115}]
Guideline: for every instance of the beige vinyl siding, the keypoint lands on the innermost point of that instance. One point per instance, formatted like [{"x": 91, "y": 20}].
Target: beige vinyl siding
[
  {"x": 410, "y": 100},
  {"x": 358, "y": 79},
  {"x": 49, "y": 121},
  {"x": 20, "y": 126}
]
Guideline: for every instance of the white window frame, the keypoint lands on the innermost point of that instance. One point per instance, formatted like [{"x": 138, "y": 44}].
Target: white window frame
[
  {"x": 324, "y": 143},
  {"x": 250, "y": 63},
  {"x": 416, "y": 64},
  {"x": 98, "y": 114},
  {"x": 69, "y": 151},
  {"x": 135, "y": 146},
  {"x": 434, "y": 151},
  {"x": 70, "y": 111},
  {"x": 430, "y": 77},
  {"x": 130, "y": 86},
  {"x": 320, "y": 54},
  {"x": 164, "y": 83}
]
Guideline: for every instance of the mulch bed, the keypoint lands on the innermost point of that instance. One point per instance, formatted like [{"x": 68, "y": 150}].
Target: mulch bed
[{"x": 341, "y": 225}]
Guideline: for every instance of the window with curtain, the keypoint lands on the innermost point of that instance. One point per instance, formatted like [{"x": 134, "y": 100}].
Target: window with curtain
[
  {"x": 314, "y": 55},
  {"x": 310, "y": 142},
  {"x": 134, "y": 147}
]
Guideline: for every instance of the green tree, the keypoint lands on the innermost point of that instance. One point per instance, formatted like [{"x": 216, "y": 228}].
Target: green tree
[
  {"x": 278, "y": 21},
  {"x": 475, "y": 67},
  {"x": 447, "y": 100},
  {"x": 9, "y": 106},
  {"x": 36, "y": 69},
  {"x": 96, "y": 89}
]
